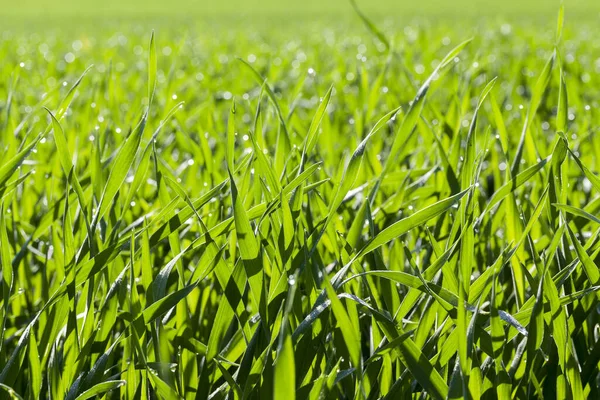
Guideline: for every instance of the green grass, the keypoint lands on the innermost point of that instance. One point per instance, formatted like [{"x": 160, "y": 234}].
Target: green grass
[{"x": 300, "y": 209}]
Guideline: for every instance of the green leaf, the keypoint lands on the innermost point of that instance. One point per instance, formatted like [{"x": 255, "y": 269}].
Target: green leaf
[
  {"x": 99, "y": 389},
  {"x": 406, "y": 224},
  {"x": 591, "y": 269},
  {"x": 350, "y": 335},
  {"x": 560, "y": 22},
  {"x": 152, "y": 67},
  {"x": 163, "y": 305},
  {"x": 311, "y": 137},
  {"x": 231, "y": 136},
  {"x": 376, "y": 32},
  {"x": 536, "y": 99},
  {"x": 119, "y": 169},
  {"x": 10, "y": 391},
  {"x": 8, "y": 168},
  {"x": 248, "y": 245},
  {"x": 563, "y": 106},
  {"x": 577, "y": 211},
  {"x": 285, "y": 372},
  {"x": 7, "y": 273}
]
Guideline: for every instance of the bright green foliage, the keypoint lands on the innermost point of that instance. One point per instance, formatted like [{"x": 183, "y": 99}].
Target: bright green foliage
[{"x": 358, "y": 211}]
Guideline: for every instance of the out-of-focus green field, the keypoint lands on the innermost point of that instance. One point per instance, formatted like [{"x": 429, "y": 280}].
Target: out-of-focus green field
[
  {"x": 294, "y": 9},
  {"x": 282, "y": 200}
]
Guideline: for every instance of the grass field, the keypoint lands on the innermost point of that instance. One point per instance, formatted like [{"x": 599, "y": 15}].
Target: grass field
[
  {"x": 294, "y": 9},
  {"x": 263, "y": 200}
]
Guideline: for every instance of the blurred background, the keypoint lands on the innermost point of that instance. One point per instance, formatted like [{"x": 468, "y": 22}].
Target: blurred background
[{"x": 291, "y": 8}]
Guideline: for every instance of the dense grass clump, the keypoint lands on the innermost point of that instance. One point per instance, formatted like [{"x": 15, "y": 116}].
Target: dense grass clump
[{"x": 327, "y": 212}]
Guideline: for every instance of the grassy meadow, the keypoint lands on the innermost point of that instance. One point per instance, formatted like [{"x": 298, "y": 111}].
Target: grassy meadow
[{"x": 310, "y": 200}]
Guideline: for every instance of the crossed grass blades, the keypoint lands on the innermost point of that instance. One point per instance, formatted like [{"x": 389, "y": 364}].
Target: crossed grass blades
[{"x": 395, "y": 235}]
